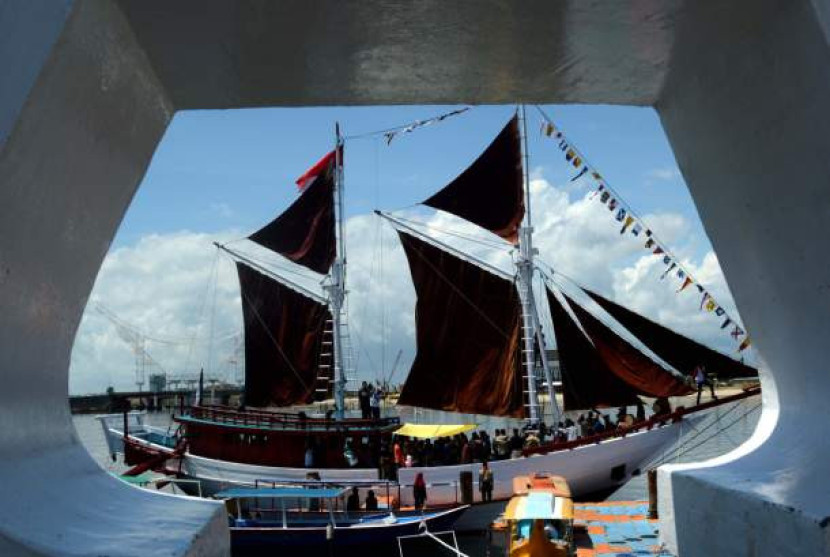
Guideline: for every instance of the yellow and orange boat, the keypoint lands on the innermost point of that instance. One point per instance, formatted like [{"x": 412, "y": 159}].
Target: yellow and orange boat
[{"x": 538, "y": 520}]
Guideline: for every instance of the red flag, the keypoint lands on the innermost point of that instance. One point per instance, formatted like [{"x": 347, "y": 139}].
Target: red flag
[{"x": 306, "y": 179}]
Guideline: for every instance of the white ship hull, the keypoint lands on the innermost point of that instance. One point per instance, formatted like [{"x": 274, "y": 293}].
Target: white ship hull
[{"x": 591, "y": 469}]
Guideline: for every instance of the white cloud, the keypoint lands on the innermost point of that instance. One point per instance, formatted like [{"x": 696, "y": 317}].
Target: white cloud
[
  {"x": 160, "y": 286},
  {"x": 664, "y": 174}
]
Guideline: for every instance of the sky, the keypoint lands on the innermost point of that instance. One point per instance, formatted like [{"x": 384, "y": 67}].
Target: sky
[{"x": 220, "y": 175}]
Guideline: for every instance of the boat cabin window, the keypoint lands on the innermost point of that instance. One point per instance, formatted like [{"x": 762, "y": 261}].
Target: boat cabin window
[{"x": 555, "y": 529}]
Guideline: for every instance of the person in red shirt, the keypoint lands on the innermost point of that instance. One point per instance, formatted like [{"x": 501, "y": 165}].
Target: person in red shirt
[{"x": 397, "y": 454}]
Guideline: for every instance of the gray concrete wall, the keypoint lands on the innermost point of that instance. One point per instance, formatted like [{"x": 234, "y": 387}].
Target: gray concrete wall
[
  {"x": 89, "y": 86},
  {"x": 748, "y": 117},
  {"x": 87, "y": 113}
]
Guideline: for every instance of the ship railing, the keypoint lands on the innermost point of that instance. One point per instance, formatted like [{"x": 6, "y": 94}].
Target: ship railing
[
  {"x": 387, "y": 487},
  {"x": 610, "y": 433},
  {"x": 278, "y": 420},
  {"x": 643, "y": 425}
]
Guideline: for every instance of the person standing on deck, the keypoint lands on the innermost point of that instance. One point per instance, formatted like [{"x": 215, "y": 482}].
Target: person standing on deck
[
  {"x": 353, "y": 502},
  {"x": 485, "y": 482},
  {"x": 419, "y": 491},
  {"x": 641, "y": 410},
  {"x": 363, "y": 397},
  {"x": 374, "y": 404},
  {"x": 371, "y": 501},
  {"x": 501, "y": 445},
  {"x": 661, "y": 406},
  {"x": 397, "y": 453},
  {"x": 701, "y": 380},
  {"x": 516, "y": 444}
]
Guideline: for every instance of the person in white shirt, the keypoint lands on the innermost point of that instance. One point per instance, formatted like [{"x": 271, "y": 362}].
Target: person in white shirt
[
  {"x": 374, "y": 403},
  {"x": 701, "y": 380}
]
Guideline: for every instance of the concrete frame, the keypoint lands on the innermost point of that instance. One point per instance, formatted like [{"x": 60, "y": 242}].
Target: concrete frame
[{"x": 87, "y": 88}]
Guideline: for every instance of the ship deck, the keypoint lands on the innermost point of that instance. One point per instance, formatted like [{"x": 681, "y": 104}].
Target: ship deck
[{"x": 616, "y": 528}]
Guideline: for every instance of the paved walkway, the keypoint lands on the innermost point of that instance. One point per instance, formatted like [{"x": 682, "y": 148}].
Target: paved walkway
[{"x": 616, "y": 528}]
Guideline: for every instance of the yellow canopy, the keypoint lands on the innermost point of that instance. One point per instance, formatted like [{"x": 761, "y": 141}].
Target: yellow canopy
[{"x": 428, "y": 431}]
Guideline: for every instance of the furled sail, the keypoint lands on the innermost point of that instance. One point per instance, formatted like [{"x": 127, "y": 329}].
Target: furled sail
[
  {"x": 587, "y": 382},
  {"x": 304, "y": 233},
  {"x": 489, "y": 192},
  {"x": 283, "y": 339},
  {"x": 679, "y": 351},
  {"x": 467, "y": 336},
  {"x": 627, "y": 362}
]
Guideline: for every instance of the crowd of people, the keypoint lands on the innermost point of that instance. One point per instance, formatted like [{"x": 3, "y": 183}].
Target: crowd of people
[
  {"x": 389, "y": 454},
  {"x": 480, "y": 446}
]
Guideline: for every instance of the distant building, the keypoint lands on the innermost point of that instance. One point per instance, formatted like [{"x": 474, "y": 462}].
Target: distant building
[{"x": 158, "y": 382}]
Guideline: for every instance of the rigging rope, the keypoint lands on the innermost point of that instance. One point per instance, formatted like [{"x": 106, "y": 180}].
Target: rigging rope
[
  {"x": 731, "y": 424},
  {"x": 475, "y": 239},
  {"x": 463, "y": 296},
  {"x": 680, "y": 451},
  {"x": 406, "y": 128},
  {"x": 653, "y": 240},
  {"x": 699, "y": 432},
  {"x": 273, "y": 340}
]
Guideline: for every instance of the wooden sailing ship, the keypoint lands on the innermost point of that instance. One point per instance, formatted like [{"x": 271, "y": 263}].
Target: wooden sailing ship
[{"x": 479, "y": 341}]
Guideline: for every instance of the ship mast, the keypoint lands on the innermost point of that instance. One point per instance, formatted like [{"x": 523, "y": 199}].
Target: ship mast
[
  {"x": 524, "y": 267},
  {"x": 337, "y": 285},
  {"x": 531, "y": 328}
]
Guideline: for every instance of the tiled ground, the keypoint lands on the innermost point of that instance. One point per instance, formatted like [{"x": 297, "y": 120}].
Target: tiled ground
[{"x": 616, "y": 528}]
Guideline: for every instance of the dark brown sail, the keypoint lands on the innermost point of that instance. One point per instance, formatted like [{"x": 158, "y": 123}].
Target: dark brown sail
[
  {"x": 304, "y": 233},
  {"x": 627, "y": 362},
  {"x": 587, "y": 382},
  {"x": 682, "y": 353},
  {"x": 467, "y": 336},
  {"x": 489, "y": 192},
  {"x": 283, "y": 340}
]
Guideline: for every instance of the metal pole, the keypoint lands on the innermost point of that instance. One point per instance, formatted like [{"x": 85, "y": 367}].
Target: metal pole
[
  {"x": 338, "y": 279},
  {"x": 444, "y": 247},
  {"x": 652, "y": 493},
  {"x": 554, "y": 406},
  {"x": 257, "y": 267},
  {"x": 525, "y": 278}
]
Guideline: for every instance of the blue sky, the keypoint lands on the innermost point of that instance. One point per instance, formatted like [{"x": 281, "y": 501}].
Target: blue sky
[
  {"x": 215, "y": 169},
  {"x": 220, "y": 175}
]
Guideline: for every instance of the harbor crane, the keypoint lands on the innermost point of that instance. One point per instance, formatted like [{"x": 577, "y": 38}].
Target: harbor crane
[{"x": 136, "y": 340}]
